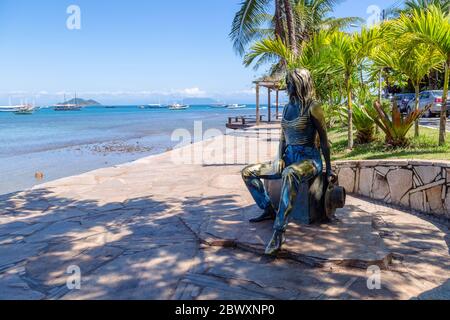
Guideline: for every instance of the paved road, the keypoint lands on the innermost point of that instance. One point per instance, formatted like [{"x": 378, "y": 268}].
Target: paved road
[{"x": 433, "y": 123}]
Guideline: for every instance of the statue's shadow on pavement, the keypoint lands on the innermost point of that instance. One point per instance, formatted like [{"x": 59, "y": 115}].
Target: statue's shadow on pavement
[{"x": 350, "y": 240}]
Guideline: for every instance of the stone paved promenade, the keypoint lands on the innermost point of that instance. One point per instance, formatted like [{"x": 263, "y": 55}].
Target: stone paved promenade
[{"x": 153, "y": 229}]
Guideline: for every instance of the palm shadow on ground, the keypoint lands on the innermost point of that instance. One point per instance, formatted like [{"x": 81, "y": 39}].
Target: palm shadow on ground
[{"x": 143, "y": 249}]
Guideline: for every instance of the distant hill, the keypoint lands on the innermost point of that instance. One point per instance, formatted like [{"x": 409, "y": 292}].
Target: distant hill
[{"x": 82, "y": 102}]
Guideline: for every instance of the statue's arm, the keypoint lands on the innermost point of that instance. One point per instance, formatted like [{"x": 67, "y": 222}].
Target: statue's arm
[
  {"x": 280, "y": 165},
  {"x": 320, "y": 123}
]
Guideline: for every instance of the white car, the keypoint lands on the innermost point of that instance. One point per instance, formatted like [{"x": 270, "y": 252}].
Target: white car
[{"x": 430, "y": 97}]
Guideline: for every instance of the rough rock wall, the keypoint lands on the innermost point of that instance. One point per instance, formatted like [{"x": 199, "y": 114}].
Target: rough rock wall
[{"x": 417, "y": 185}]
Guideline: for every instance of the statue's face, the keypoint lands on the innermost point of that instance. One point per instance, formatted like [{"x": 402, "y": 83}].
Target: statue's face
[
  {"x": 299, "y": 85},
  {"x": 291, "y": 88}
]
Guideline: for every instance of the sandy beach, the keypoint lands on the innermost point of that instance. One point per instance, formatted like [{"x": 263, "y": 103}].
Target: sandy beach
[{"x": 160, "y": 229}]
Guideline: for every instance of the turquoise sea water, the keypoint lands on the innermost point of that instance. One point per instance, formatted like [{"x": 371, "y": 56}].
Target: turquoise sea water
[{"x": 62, "y": 144}]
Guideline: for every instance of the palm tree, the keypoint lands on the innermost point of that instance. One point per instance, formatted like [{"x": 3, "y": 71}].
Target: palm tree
[
  {"x": 315, "y": 15},
  {"x": 348, "y": 52},
  {"x": 414, "y": 62},
  {"x": 413, "y": 5},
  {"x": 429, "y": 26},
  {"x": 292, "y": 19},
  {"x": 254, "y": 14},
  {"x": 327, "y": 53}
]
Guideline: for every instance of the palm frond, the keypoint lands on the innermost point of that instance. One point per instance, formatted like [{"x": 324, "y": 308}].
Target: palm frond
[{"x": 250, "y": 17}]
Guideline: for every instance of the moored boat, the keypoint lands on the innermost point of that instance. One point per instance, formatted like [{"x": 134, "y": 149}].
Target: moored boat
[
  {"x": 65, "y": 106},
  {"x": 25, "y": 110},
  {"x": 178, "y": 106},
  {"x": 236, "y": 106},
  {"x": 219, "y": 106},
  {"x": 156, "y": 106},
  {"x": 153, "y": 106},
  {"x": 9, "y": 108}
]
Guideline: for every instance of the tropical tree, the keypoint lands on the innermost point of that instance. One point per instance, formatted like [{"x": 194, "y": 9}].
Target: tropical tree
[
  {"x": 417, "y": 5},
  {"x": 328, "y": 53},
  {"x": 348, "y": 51},
  {"x": 314, "y": 16},
  {"x": 429, "y": 26},
  {"x": 249, "y": 22},
  {"x": 414, "y": 62},
  {"x": 294, "y": 22}
]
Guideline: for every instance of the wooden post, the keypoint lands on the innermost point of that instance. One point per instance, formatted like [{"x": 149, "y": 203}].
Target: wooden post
[
  {"x": 258, "y": 121},
  {"x": 278, "y": 103},
  {"x": 269, "y": 94}
]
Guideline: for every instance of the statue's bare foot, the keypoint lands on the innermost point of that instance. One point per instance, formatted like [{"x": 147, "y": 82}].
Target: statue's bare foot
[
  {"x": 269, "y": 214},
  {"x": 275, "y": 243}
]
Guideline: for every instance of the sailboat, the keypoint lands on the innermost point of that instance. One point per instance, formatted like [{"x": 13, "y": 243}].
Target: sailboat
[
  {"x": 236, "y": 106},
  {"x": 67, "y": 106},
  {"x": 219, "y": 105},
  {"x": 25, "y": 109},
  {"x": 177, "y": 106}
]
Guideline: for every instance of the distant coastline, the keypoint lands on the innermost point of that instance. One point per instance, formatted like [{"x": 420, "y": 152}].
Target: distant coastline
[{"x": 81, "y": 102}]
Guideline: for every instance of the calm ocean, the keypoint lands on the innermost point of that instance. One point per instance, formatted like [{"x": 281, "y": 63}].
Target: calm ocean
[{"x": 61, "y": 144}]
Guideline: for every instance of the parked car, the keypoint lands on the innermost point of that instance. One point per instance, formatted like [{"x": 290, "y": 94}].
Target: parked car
[
  {"x": 403, "y": 99},
  {"x": 430, "y": 97}
]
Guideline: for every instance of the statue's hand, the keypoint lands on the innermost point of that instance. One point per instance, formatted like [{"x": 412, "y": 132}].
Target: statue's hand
[
  {"x": 332, "y": 177},
  {"x": 279, "y": 165}
]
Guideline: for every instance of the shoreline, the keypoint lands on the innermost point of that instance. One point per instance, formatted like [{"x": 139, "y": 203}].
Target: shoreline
[
  {"x": 86, "y": 158},
  {"x": 73, "y": 144},
  {"x": 108, "y": 165},
  {"x": 234, "y": 135},
  {"x": 78, "y": 160}
]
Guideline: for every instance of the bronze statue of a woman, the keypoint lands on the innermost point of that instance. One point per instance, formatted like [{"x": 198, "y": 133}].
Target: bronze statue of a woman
[{"x": 299, "y": 157}]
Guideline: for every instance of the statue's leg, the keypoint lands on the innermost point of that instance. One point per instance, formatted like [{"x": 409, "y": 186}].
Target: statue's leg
[
  {"x": 293, "y": 176},
  {"x": 252, "y": 176}
]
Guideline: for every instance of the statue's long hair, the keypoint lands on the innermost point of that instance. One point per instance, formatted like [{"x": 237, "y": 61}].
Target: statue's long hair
[{"x": 304, "y": 86}]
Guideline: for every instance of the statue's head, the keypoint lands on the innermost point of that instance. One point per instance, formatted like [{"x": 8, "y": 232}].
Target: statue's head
[{"x": 300, "y": 85}]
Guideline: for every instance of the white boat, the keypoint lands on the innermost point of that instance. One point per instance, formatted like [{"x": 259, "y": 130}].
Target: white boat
[
  {"x": 236, "y": 106},
  {"x": 67, "y": 106},
  {"x": 178, "y": 106},
  {"x": 25, "y": 110},
  {"x": 154, "y": 106},
  {"x": 219, "y": 106},
  {"x": 22, "y": 108},
  {"x": 9, "y": 108}
]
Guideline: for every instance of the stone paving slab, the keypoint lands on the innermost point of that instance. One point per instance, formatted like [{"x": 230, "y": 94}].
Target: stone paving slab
[{"x": 349, "y": 241}]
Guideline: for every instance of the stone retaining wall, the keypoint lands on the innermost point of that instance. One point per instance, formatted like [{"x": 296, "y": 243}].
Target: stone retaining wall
[{"x": 418, "y": 185}]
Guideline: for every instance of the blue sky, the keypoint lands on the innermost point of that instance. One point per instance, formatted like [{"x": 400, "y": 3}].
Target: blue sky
[{"x": 133, "y": 51}]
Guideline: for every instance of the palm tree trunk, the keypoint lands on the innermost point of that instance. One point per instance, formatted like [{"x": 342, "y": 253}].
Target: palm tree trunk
[
  {"x": 443, "y": 125},
  {"x": 416, "y": 127},
  {"x": 291, "y": 26},
  {"x": 380, "y": 94},
  {"x": 350, "y": 113},
  {"x": 278, "y": 20}
]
